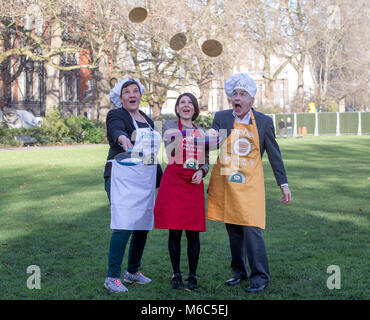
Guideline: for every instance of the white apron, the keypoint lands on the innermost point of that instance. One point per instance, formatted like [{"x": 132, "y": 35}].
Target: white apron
[{"x": 133, "y": 187}]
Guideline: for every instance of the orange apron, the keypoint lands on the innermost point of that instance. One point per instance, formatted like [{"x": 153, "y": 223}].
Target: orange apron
[{"x": 236, "y": 189}]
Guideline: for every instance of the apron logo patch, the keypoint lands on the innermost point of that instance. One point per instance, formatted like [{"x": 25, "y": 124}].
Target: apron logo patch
[
  {"x": 149, "y": 160},
  {"x": 191, "y": 163},
  {"x": 242, "y": 147},
  {"x": 238, "y": 177}
]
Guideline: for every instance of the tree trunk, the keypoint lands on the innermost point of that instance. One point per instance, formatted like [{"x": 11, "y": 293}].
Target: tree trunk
[
  {"x": 156, "y": 108},
  {"x": 7, "y": 87},
  {"x": 269, "y": 93},
  {"x": 102, "y": 105},
  {"x": 52, "y": 89},
  {"x": 52, "y": 84},
  {"x": 269, "y": 90},
  {"x": 96, "y": 99},
  {"x": 6, "y": 74},
  {"x": 300, "y": 88},
  {"x": 204, "y": 96}
]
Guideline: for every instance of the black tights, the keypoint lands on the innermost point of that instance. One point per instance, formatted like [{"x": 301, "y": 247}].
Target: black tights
[{"x": 174, "y": 247}]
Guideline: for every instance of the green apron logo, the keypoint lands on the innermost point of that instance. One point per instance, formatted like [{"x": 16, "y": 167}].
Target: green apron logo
[
  {"x": 237, "y": 177},
  {"x": 191, "y": 163}
]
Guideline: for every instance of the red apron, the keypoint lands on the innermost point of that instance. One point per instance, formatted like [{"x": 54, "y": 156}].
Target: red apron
[{"x": 180, "y": 204}]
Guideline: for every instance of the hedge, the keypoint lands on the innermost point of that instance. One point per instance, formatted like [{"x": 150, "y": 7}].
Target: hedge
[{"x": 58, "y": 130}]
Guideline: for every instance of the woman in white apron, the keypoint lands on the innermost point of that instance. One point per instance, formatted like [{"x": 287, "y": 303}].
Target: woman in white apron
[{"x": 130, "y": 189}]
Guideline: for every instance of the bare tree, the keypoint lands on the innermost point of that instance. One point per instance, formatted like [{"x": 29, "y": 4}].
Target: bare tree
[
  {"x": 32, "y": 31},
  {"x": 297, "y": 25},
  {"x": 260, "y": 23},
  {"x": 209, "y": 20},
  {"x": 339, "y": 59},
  {"x": 44, "y": 30},
  {"x": 281, "y": 32}
]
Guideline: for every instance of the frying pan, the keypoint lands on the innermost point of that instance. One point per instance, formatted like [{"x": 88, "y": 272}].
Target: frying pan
[{"x": 129, "y": 158}]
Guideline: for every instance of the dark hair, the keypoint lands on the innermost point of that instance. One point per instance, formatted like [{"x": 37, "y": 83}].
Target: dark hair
[
  {"x": 194, "y": 102},
  {"x": 128, "y": 83}
]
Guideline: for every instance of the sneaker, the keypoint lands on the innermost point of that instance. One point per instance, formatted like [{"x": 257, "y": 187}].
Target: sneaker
[
  {"x": 136, "y": 277},
  {"x": 192, "y": 282},
  {"x": 176, "y": 281},
  {"x": 114, "y": 285}
]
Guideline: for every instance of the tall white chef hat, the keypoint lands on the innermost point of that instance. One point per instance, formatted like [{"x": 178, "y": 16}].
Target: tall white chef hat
[
  {"x": 240, "y": 81},
  {"x": 115, "y": 93}
]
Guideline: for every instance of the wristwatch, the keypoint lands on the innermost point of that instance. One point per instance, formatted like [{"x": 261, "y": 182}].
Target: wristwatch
[{"x": 203, "y": 171}]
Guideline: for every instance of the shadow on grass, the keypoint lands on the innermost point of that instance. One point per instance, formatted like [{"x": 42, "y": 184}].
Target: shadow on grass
[
  {"x": 71, "y": 251},
  {"x": 72, "y": 257}
]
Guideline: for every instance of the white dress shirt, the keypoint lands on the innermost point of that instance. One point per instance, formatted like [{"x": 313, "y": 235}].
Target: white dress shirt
[{"x": 245, "y": 120}]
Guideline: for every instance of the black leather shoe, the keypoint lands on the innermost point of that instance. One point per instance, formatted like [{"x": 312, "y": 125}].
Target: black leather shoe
[
  {"x": 192, "y": 283},
  {"x": 233, "y": 281},
  {"x": 176, "y": 281},
  {"x": 256, "y": 287}
]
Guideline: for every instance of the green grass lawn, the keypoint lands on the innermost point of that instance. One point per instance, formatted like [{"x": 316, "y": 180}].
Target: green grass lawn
[{"x": 54, "y": 213}]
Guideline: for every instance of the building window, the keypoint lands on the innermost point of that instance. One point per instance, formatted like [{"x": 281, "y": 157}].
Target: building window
[{"x": 69, "y": 79}]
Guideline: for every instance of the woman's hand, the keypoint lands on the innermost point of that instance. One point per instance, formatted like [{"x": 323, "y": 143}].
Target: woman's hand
[
  {"x": 124, "y": 142},
  {"x": 172, "y": 133},
  {"x": 197, "y": 177}
]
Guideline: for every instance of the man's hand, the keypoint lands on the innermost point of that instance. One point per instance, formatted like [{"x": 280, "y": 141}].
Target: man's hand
[
  {"x": 197, "y": 177},
  {"x": 124, "y": 142},
  {"x": 287, "y": 196},
  {"x": 212, "y": 132}
]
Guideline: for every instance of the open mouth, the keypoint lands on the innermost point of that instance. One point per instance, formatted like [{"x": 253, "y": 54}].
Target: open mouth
[
  {"x": 237, "y": 107},
  {"x": 133, "y": 101}
]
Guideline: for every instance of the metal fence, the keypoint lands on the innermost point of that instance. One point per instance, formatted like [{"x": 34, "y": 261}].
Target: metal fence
[{"x": 321, "y": 123}]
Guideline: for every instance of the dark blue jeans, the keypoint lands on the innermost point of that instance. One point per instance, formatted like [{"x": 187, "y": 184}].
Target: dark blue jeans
[{"x": 117, "y": 247}]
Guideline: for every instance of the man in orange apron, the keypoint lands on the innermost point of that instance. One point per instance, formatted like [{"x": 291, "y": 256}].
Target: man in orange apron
[{"x": 236, "y": 193}]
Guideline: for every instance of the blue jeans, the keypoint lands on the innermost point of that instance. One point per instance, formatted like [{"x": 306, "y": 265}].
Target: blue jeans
[{"x": 117, "y": 247}]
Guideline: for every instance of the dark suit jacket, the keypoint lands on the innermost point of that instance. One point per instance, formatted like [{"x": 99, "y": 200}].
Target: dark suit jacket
[{"x": 225, "y": 120}]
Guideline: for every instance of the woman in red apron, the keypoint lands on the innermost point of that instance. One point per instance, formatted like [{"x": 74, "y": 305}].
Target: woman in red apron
[{"x": 180, "y": 201}]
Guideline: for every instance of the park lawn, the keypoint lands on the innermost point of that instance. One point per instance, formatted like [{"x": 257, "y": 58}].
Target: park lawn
[{"x": 54, "y": 214}]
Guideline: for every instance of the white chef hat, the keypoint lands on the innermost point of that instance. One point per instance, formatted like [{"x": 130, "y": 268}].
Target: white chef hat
[
  {"x": 240, "y": 81},
  {"x": 115, "y": 93}
]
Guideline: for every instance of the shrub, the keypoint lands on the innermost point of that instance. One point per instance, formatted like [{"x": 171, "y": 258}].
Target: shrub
[
  {"x": 76, "y": 131},
  {"x": 54, "y": 127},
  {"x": 93, "y": 131},
  {"x": 57, "y": 129},
  {"x": 169, "y": 116},
  {"x": 7, "y": 138},
  {"x": 93, "y": 135},
  {"x": 204, "y": 121}
]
